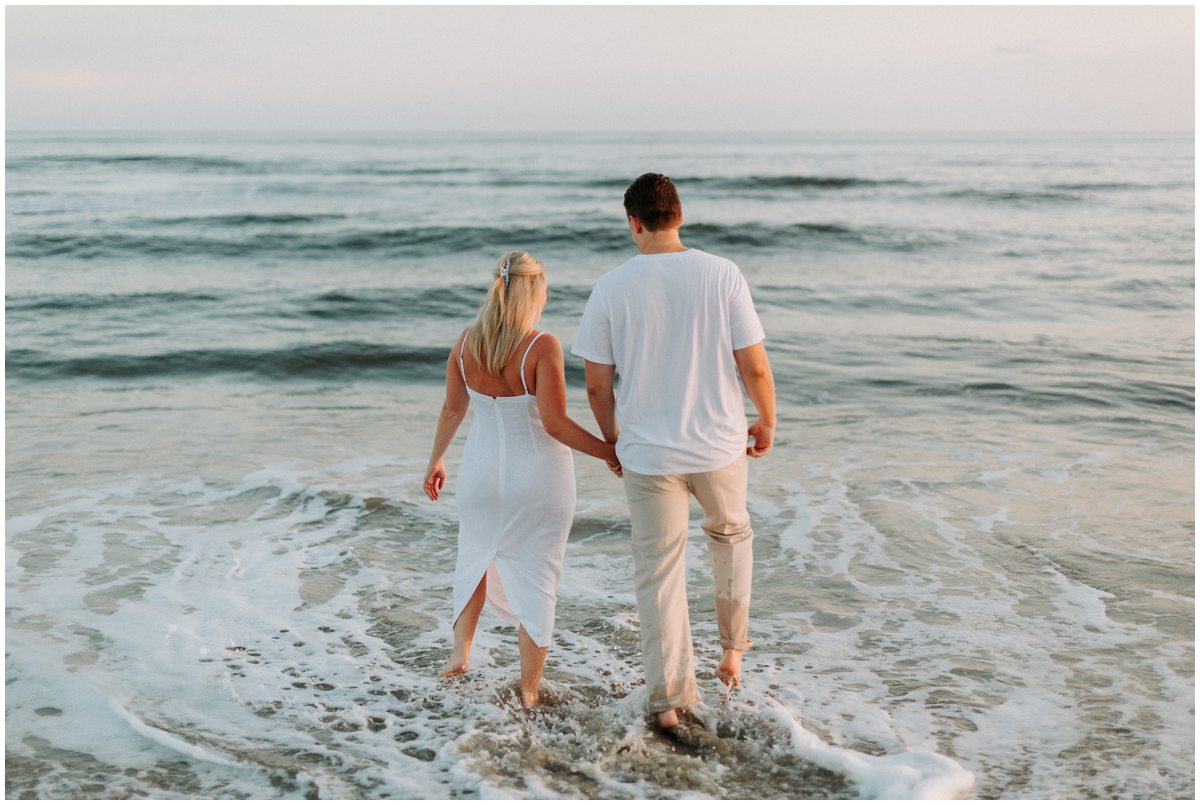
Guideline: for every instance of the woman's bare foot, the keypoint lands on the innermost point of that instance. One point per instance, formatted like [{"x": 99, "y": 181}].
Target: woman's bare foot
[
  {"x": 730, "y": 669},
  {"x": 533, "y": 657},
  {"x": 457, "y": 665},
  {"x": 668, "y": 719},
  {"x": 464, "y": 633},
  {"x": 530, "y": 699}
]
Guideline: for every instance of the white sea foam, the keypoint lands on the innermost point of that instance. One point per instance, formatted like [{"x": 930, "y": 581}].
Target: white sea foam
[
  {"x": 170, "y": 741},
  {"x": 283, "y": 635}
]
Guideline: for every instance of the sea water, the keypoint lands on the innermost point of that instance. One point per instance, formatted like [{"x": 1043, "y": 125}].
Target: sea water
[{"x": 974, "y": 538}]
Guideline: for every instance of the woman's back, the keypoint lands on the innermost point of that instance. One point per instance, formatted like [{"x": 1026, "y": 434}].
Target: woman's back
[
  {"x": 523, "y": 361},
  {"x": 507, "y": 430}
]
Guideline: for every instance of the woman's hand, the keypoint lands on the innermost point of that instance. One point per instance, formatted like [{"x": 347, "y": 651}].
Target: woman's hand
[
  {"x": 435, "y": 479},
  {"x": 614, "y": 463}
]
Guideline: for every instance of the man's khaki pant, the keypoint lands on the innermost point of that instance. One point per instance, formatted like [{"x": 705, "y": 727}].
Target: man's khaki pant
[{"x": 658, "y": 510}]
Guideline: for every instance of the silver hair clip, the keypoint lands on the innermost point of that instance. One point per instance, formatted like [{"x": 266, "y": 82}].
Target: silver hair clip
[{"x": 504, "y": 272}]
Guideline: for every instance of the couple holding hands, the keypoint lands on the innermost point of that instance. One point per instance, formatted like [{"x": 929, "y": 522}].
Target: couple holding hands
[{"x": 665, "y": 337}]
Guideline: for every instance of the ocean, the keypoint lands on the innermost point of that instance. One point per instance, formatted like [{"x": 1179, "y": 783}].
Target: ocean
[{"x": 975, "y": 540}]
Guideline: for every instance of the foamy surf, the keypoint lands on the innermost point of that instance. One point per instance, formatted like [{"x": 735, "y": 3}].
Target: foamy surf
[
  {"x": 902, "y": 774},
  {"x": 169, "y": 741},
  {"x": 340, "y": 697}
]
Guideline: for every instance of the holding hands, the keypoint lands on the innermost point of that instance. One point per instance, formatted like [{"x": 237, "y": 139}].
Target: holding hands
[{"x": 614, "y": 463}]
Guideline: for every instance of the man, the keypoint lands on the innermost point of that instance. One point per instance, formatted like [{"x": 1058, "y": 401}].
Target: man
[{"x": 678, "y": 326}]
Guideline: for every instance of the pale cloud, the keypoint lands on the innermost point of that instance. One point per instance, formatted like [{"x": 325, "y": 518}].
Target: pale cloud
[
  {"x": 1025, "y": 48},
  {"x": 62, "y": 78}
]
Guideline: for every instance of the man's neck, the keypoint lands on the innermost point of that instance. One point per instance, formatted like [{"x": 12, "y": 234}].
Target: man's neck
[{"x": 663, "y": 241}]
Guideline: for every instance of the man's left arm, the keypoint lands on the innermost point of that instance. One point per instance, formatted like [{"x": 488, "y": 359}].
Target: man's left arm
[{"x": 755, "y": 370}]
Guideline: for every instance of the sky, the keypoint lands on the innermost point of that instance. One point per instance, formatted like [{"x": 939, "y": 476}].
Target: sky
[{"x": 601, "y": 68}]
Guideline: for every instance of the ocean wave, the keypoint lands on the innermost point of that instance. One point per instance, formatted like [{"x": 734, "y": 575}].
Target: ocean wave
[
  {"x": 790, "y": 236},
  {"x": 200, "y": 162},
  {"x": 425, "y": 174},
  {"x": 342, "y": 359},
  {"x": 383, "y": 170},
  {"x": 80, "y": 301},
  {"x": 451, "y": 302},
  {"x": 1151, "y": 294},
  {"x": 1057, "y": 380},
  {"x": 765, "y": 182},
  {"x": 446, "y": 302},
  {"x": 337, "y": 360},
  {"x": 1077, "y": 186},
  {"x": 820, "y": 182},
  {"x": 917, "y": 302},
  {"x": 1017, "y": 196},
  {"x": 248, "y": 219},
  {"x": 428, "y": 241},
  {"x": 185, "y": 163},
  {"x": 1073, "y": 396},
  {"x": 417, "y": 242}
]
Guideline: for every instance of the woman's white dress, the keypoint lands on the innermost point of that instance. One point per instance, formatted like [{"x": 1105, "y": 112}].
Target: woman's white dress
[{"x": 516, "y": 500}]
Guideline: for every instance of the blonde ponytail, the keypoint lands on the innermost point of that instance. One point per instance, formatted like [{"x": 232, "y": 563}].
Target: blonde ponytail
[{"x": 509, "y": 312}]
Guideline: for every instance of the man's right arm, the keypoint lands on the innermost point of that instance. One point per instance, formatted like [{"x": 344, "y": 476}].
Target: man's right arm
[
  {"x": 755, "y": 370},
  {"x": 600, "y": 380}
]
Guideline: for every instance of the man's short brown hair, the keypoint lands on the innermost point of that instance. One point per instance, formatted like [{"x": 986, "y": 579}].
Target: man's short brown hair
[{"x": 653, "y": 200}]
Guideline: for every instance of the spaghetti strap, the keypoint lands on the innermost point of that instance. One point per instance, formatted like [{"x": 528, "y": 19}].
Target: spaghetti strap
[
  {"x": 462, "y": 369},
  {"x": 523, "y": 357}
]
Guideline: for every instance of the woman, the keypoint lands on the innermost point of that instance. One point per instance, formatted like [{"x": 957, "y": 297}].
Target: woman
[{"x": 516, "y": 483}]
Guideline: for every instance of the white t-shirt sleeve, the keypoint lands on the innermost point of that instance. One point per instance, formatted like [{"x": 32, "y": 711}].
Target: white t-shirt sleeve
[
  {"x": 593, "y": 342},
  {"x": 744, "y": 325}
]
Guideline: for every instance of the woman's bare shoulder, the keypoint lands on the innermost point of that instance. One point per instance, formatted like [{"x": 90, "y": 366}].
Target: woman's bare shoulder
[{"x": 547, "y": 344}]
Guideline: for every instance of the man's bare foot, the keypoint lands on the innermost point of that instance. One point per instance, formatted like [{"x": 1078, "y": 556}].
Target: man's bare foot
[
  {"x": 730, "y": 669},
  {"x": 668, "y": 719},
  {"x": 457, "y": 665}
]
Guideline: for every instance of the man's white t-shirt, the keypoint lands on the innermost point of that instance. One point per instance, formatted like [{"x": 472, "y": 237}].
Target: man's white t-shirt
[{"x": 670, "y": 323}]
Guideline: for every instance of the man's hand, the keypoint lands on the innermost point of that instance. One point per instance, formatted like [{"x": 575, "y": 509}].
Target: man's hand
[
  {"x": 755, "y": 370},
  {"x": 764, "y": 437}
]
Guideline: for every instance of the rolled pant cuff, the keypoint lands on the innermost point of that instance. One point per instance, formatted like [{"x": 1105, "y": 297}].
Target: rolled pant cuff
[
  {"x": 672, "y": 702},
  {"x": 740, "y": 645}
]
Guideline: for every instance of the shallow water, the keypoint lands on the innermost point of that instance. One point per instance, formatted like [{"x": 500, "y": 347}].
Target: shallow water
[{"x": 974, "y": 541}]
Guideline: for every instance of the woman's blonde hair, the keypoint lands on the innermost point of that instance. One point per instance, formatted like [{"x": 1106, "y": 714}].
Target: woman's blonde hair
[{"x": 509, "y": 312}]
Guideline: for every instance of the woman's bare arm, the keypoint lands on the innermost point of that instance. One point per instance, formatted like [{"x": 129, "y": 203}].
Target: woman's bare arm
[
  {"x": 454, "y": 409},
  {"x": 551, "y": 390}
]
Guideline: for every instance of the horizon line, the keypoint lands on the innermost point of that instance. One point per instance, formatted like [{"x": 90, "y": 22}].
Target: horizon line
[{"x": 20, "y": 130}]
